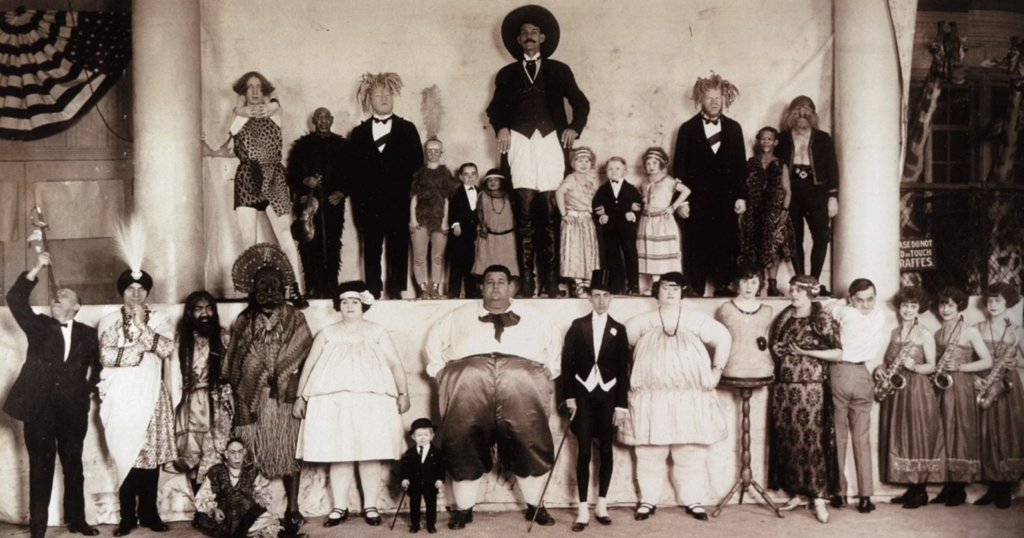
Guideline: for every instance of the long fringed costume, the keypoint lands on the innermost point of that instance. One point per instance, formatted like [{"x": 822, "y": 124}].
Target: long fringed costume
[
  {"x": 244, "y": 500},
  {"x": 263, "y": 364}
]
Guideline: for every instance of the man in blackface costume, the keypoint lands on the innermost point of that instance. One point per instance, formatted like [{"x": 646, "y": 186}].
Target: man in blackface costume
[
  {"x": 136, "y": 351},
  {"x": 711, "y": 159},
  {"x": 814, "y": 179},
  {"x": 318, "y": 168},
  {"x": 528, "y": 115},
  {"x": 386, "y": 150},
  {"x": 51, "y": 398},
  {"x": 495, "y": 361},
  {"x": 269, "y": 344}
]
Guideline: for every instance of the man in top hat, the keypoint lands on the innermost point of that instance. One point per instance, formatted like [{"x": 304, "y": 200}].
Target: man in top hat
[
  {"x": 814, "y": 180},
  {"x": 318, "y": 167},
  {"x": 711, "y": 159},
  {"x": 136, "y": 351},
  {"x": 51, "y": 398},
  {"x": 495, "y": 361},
  {"x": 528, "y": 115},
  {"x": 386, "y": 151},
  {"x": 595, "y": 390}
]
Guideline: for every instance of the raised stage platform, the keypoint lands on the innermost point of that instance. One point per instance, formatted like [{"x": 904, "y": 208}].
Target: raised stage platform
[{"x": 408, "y": 322}]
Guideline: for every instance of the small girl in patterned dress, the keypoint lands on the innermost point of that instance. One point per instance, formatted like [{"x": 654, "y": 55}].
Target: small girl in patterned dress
[{"x": 580, "y": 255}]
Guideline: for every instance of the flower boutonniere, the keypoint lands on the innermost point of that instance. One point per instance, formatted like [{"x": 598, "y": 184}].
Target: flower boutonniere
[{"x": 613, "y": 331}]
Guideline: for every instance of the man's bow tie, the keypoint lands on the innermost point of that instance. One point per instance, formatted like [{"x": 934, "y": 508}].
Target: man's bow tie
[
  {"x": 709, "y": 121},
  {"x": 500, "y": 321},
  {"x": 65, "y": 325},
  {"x": 470, "y": 188},
  {"x": 378, "y": 120},
  {"x": 616, "y": 181}
]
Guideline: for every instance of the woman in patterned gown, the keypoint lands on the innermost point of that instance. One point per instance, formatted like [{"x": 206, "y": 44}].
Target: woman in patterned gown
[
  {"x": 766, "y": 232},
  {"x": 1002, "y": 422},
  {"x": 911, "y": 441},
  {"x": 956, "y": 344},
  {"x": 802, "y": 437}
]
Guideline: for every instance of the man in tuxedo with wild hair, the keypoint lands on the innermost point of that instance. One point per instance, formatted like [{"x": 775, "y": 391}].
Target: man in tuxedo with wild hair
[{"x": 52, "y": 398}]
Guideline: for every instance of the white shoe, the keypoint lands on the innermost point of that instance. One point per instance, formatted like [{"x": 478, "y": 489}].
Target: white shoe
[
  {"x": 820, "y": 512},
  {"x": 796, "y": 502}
]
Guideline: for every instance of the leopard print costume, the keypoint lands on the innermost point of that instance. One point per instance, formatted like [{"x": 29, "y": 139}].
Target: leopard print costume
[{"x": 260, "y": 178}]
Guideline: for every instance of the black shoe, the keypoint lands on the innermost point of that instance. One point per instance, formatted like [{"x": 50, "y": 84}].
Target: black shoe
[
  {"x": 578, "y": 526},
  {"x": 469, "y": 515},
  {"x": 724, "y": 292},
  {"x": 604, "y": 520},
  {"x": 641, "y": 516},
  {"x": 335, "y": 521},
  {"x": 371, "y": 516},
  {"x": 988, "y": 498},
  {"x": 431, "y": 528},
  {"x": 1004, "y": 498},
  {"x": 83, "y": 528},
  {"x": 902, "y": 499},
  {"x": 917, "y": 499},
  {"x": 294, "y": 518},
  {"x": 156, "y": 525},
  {"x": 838, "y": 501},
  {"x": 457, "y": 520},
  {"x": 824, "y": 292},
  {"x": 697, "y": 511},
  {"x": 943, "y": 495},
  {"x": 865, "y": 505},
  {"x": 542, "y": 518},
  {"x": 123, "y": 530},
  {"x": 297, "y": 299},
  {"x": 414, "y": 528}
]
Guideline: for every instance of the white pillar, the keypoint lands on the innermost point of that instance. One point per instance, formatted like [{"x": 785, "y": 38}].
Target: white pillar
[
  {"x": 867, "y": 132},
  {"x": 166, "y": 104}
]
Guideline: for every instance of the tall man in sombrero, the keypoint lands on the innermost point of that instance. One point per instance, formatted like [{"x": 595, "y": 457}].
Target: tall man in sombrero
[
  {"x": 269, "y": 344},
  {"x": 528, "y": 115}
]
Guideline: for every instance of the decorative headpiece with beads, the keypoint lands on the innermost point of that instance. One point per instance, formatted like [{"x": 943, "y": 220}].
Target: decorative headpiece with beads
[{"x": 256, "y": 257}]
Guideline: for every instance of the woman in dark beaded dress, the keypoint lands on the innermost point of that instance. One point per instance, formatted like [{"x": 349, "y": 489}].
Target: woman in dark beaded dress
[
  {"x": 766, "y": 231},
  {"x": 956, "y": 345},
  {"x": 1002, "y": 420},
  {"x": 802, "y": 437}
]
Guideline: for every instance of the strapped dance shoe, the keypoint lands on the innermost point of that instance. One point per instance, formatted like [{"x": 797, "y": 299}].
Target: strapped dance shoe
[
  {"x": 820, "y": 512},
  {"x": 648, "y": 511},
  {"x": 371, "y": 516},
  {"x": 604, "y": 520},
  {"x": 697, "y": 511},
  {"x": 543, "y": 518},
  {"x": 330, "y": 521},
  {"x": 865, "y": 506},
  {"x": 796, "y": 502}
]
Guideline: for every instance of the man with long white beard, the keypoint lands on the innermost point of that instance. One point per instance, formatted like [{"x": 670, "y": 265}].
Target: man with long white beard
[{"x": 814, "y": 180}]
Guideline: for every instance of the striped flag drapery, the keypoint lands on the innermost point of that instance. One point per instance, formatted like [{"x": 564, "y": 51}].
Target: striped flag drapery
[{"x": 55, "y": 65}]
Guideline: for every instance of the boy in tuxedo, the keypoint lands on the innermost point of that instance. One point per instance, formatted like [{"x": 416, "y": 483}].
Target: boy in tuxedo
[
  {"x": 462, "y": 240},
  {"x": 422, "y": 474},
  {"x": 617, "y": 205},
  {"x": 595, "y": 385}
]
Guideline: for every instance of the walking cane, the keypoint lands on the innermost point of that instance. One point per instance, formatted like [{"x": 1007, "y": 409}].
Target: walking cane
[
  {"x": 565, "y": 433},
  {"x": 397, "y": 510}
]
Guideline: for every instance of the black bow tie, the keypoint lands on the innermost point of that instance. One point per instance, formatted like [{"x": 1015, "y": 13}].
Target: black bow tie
[
  {"x": 471, "y": 188},
  {"x": 710, "y": 122},
  {"x": 500, "y": 321},
  {"x": 616, "y": 181},
  {"x": 65, "y": 325},
  {"x": 378, "y": 120}
]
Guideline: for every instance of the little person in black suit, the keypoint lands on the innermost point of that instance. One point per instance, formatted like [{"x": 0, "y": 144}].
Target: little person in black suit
[
  {"x": 422, "y": 474},
  {"x": 595, "y": 385},
  {"x": 462, "y": 240},
  {"x": 617, "y": 205}
]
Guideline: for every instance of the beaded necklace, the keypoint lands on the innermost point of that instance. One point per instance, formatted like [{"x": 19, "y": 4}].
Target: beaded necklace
[{"x": 679, "y": 316}]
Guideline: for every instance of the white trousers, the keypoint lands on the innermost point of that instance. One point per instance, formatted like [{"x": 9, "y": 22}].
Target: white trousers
[
  {"x": 689, "y": 471},
  {"x": 536, "y": 162}
]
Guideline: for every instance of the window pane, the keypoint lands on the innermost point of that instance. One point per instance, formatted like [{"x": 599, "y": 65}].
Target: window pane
[
  {"x": 940, "y": 145},
  {"x": 940, "y": 174},
  {"x": 941, "y": 116},
  {"x": 960, "y": 106},
  {"x": 959, "y": 147},
  {"x": 959, "y": 173}
]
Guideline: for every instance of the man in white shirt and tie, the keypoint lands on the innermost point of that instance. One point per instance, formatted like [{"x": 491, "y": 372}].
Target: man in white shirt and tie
[
  {"x": 386, "y": 151},
  {"x": 52, "y": 398},
  {"x": 529, "y": 119},
  {"x": 862, "y": 332},
  {"x": 595, "y": 390}
]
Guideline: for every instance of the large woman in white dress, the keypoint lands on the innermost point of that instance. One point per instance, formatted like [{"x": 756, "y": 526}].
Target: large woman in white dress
[
  {"x": 352, "y": 390},
  {"x": 673, "y": 407}
]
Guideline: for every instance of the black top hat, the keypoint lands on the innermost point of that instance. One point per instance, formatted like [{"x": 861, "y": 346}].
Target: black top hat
[
  {"x": 421, "y": 423},
  {"x": 601, "y": 279},
  {"x": 537, "y": 16}
]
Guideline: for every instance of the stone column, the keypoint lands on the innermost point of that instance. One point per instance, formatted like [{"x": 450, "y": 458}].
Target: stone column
[
  {"x": 166, "y": 106},
  {"x": 867, "y": 133}
]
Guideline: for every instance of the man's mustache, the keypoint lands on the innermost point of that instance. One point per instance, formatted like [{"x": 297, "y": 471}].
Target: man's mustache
[{"x": 530, "y": 40}]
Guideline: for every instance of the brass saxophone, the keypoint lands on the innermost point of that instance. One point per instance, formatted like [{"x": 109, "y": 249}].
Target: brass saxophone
[
  {"x": 998, "y": 381},
  {"x": 942, "y": 378},
  {"x": 890, "y": 378}
]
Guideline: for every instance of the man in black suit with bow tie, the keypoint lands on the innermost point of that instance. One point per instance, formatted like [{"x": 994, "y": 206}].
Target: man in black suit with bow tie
[
  {"x": 386, "y": 151},
  {"x": 528, "y": 115},
  {"x": 711, "y": 159},
  {"x": 617, "y": 205},
  {"x": 463, "y": 220},
  {"x": 51, "y": 398},
  {"x": 422, "y": 474},
  {"x": 594, "y": 388}
]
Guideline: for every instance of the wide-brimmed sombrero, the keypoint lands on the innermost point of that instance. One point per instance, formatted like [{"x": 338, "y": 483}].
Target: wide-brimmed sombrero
[{"x": 535, "y": 15}]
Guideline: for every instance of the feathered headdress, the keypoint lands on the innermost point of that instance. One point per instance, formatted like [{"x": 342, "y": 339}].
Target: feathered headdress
[
  {"x": 130, "y": 242},
  {"x": 715, "y": 82},
  {"x": 256, "y": 257},
  {"x": 432, "y": 109},
  {"x": 391, "y": 82}
]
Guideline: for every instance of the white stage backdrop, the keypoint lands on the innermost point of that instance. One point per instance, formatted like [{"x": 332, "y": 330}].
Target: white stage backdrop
[
  {"x": 408, "y": 323},
  {"x": 636, "y": 62}
]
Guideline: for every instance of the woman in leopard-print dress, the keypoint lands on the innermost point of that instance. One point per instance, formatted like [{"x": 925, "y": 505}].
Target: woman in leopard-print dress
[{"x": 260, "y": 181}]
